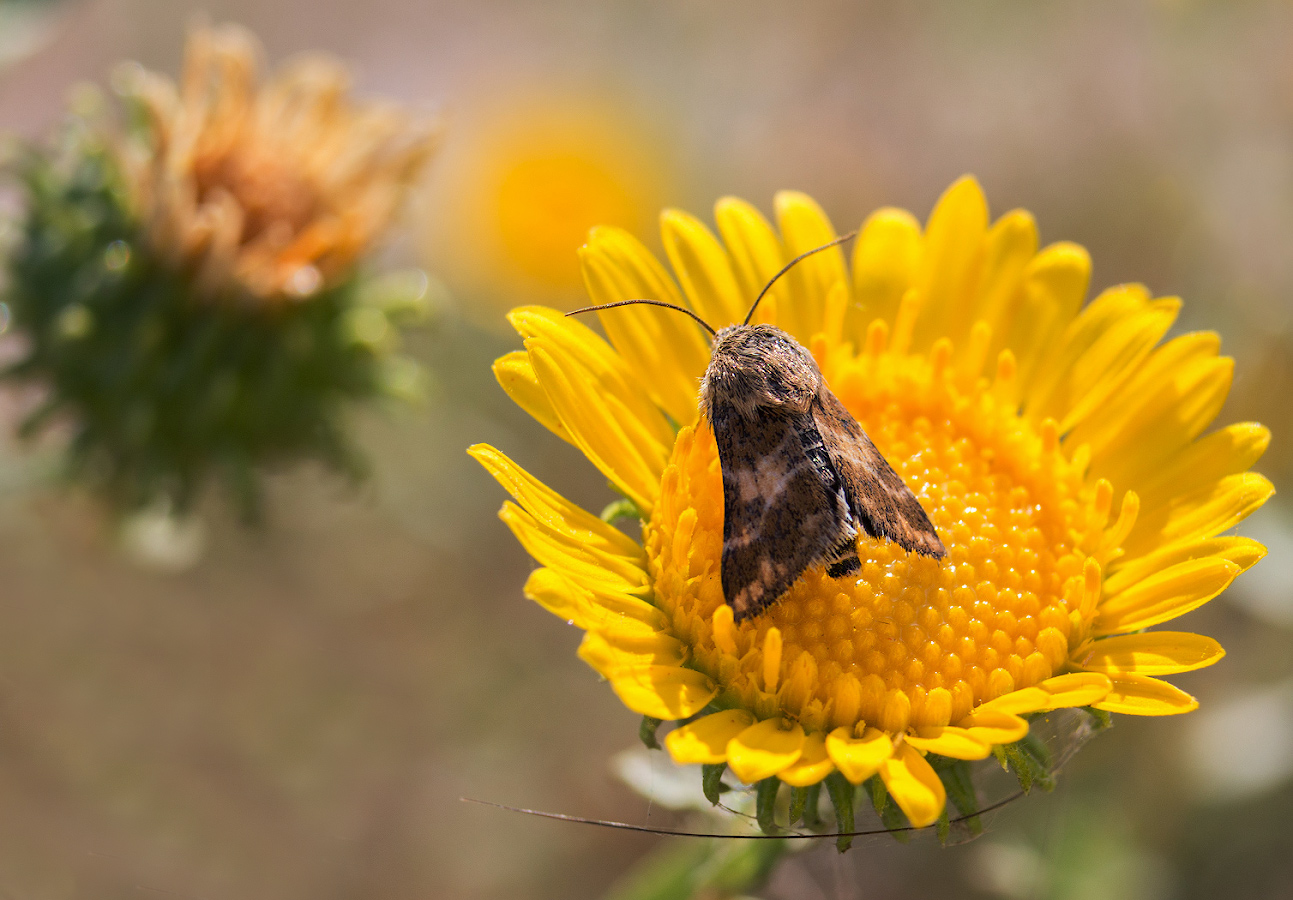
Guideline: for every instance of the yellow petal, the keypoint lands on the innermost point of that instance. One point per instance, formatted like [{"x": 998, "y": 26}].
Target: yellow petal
[
  {"x": 1226, "y": 451},
  {"x": 1010, "y": 245},
  {"x": 995, "y": 726},
  {"x": 1055, "y": 283},
  {"x": 1166, "y": 421},
  {"x": 949, "y": 272},
  {"x": 1101, "y": 368},
  {"x": 1073, "y": 689},
  {"x": 639, "y": 265},
  {"x": 914, "y": 786},
  {"x": 1161, "y": 367},
  {"x": 572, "y": 341},
  {"x": 1110, "y": 307},
  {"x": 621, "y": 604},
  {"x": 753, "y": 246},
  {"x": 858, "y": 758},
  {"x": 764, "y": 749},
  {"x": 1137, "y": 695},
  {"x": 666, "y": 350},
  {"x": 1200, "y": 515},
  {"x": 1152, "y": 653},
  {"x": 552, "y": 509},
  {"x": 619, "y": 628},
  {"x": 1243, "y": 552},
  {"x": 813, "y": 764},
  {"x": 1020, "y": 702},
  {"x": 586, "y": 565},
  {"x": 886, "y": 260},
  {"x": 516, "y": 376},
  {"x": 609, "y": 656},
  {"x": 1165, "y": 595},
  {"x": 705, "y": 740},
  {"x": 949, "y": 741},
  {"x": 569, "y": 600},
  {"x": 1117, "y": 355},
  {"x": 608, "y": 434},
  {"x": 663, "y": 692},
  {"x": 804, "y": 227},
  {"x": 558, "y": 595},
  {"x": 703, "y": 269}
]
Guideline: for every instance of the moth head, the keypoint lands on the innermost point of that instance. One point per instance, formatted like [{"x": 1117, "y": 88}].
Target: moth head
[
  {"x": 752, "y": 366},
  {"x": 755, "y": 368}
]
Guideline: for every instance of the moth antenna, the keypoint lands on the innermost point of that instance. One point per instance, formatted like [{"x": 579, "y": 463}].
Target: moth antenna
[
  {"x": 790, "y": 265},
  {"x": 786, "y": 835},
  {"x": 1062, "y": 758},
  {"x": 681, "y": 309}
]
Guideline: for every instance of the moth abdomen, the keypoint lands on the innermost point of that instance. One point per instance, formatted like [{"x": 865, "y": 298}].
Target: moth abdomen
[{"x": 846, "y": 561}]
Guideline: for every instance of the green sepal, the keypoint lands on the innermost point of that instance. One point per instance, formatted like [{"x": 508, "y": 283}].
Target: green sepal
[
  {"x": 895, "y": 821},
  {"x": 1029, "y": 760},
  {"x": 798, "y": 801},
  {"x": 623, "y": 508},
  {"x": 893, "y": 818},
  {"x": 943, "y": 826},
  {"x": 957, "y": 779},
  {"x": 1103, "y": 718},
  {"x": 1017, "y": 763},
  {"x": 765, "y": 804},
  {"x": 647, "y": 730},
  {"x": 879, "y": 795},
  {"x": 1037, "y": 750},
  {"x": 841, "y": 792},
  {"x": 711, "y": 781},
  {"x": 812, "y": 797}
]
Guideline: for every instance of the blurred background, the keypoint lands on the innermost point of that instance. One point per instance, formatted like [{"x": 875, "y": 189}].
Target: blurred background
[{"x": 296, "y": 713}]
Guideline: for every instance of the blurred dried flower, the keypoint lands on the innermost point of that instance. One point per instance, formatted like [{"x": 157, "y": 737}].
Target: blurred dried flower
[{"x": 280, "y": 187}]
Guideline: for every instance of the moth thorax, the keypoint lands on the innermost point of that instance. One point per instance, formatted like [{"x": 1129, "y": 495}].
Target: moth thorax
[{"x": 757, "y": 367}]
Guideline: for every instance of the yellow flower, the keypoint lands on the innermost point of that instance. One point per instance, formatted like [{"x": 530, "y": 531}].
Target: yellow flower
[
  {"x": 1057, "y": 448},
  {"x": 276, "y": 188},
  {"x": 526, "y": 178}
]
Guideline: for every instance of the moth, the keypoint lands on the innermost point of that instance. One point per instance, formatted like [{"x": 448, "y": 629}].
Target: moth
[{"x": 801, "y": 479}]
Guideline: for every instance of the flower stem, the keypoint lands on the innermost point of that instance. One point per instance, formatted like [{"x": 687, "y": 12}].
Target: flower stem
[{"x": 681, "y": 869}]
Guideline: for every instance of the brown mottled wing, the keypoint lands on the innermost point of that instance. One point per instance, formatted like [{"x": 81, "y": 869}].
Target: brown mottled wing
[
  {"x": 784, "y": 508},
  {"x": 882, "y": 503}
]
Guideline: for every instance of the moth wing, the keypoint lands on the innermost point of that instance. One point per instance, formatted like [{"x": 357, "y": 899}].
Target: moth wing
[
  {"x": 880, "y": 501},
  {"x": 781, "y": 511}
]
